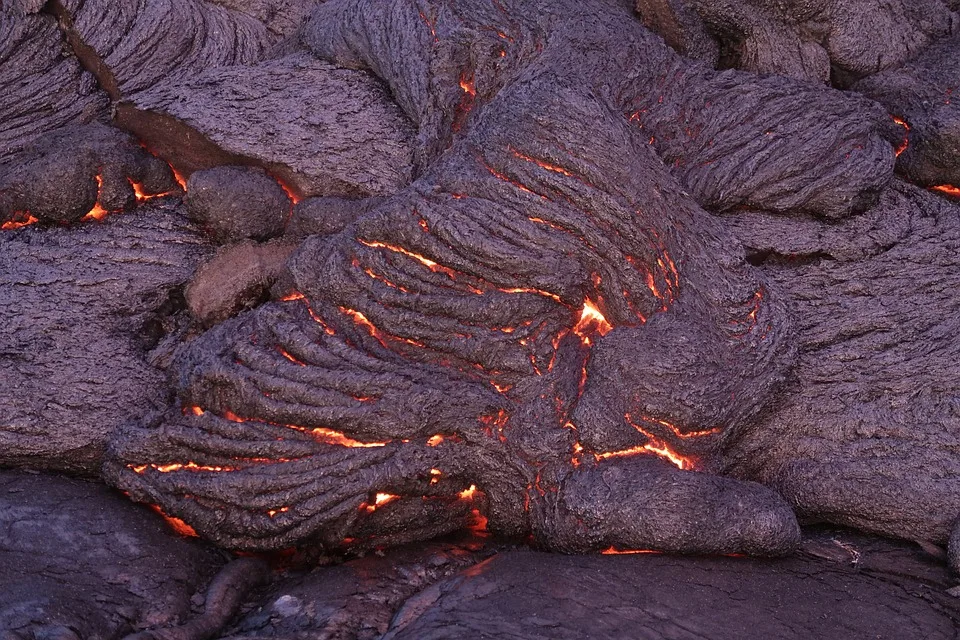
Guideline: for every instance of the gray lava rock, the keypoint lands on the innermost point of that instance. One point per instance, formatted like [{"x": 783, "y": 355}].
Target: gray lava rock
[
  {"x": 326, "y": 216},
  {"x": 236, "y": 203},
  {"x": 238, "y": 277},
  {"x": 78, "y": 560}
]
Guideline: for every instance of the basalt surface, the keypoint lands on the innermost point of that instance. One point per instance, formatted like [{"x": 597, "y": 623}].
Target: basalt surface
[
  {"x": 602, "y": 296},
  {"x": 545, "y": 327}
]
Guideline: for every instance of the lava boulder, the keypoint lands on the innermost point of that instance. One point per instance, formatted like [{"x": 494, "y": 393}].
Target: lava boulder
[{"x": 237, "y": 203}]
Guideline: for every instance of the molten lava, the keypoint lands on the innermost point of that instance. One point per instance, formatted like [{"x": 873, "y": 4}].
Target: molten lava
[
  {"x": 178, "y": 525},
  {"x": 906, "y": 135},
  {"x": 20, "y": 219},
  {"x": 612, "y": 551},
  {"x": 591, "y": 323},
  {"x": 948, "y": 189}
]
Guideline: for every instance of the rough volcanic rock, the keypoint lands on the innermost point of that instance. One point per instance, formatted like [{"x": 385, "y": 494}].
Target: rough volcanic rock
[
  {"x": 131, "y": 46},
  {"x": 79, "y": 172},
  {"x": 819, "y": 40},
  {"x": 326, "y": 216},
  {"x": 80, "y": 309},
  {"x": 545, "y": 326},
  {"x": 920, "y": 95},
  {"x": 323, "y": 130},
  {"x": 78, "y": 560},
  {"x": 842, "y": 586},
  {"x": 237, "y": 203},
  {"x": 356, "y": 599},
  {"x": 282, "y": 17},
  {"x": 237, "y": 277},
  {"x": 44, "y": 87},
  {"x": 866, "y": 433}
]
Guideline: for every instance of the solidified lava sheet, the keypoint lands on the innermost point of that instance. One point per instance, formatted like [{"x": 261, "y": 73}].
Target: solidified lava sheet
[{"x": 599, "y": 277}]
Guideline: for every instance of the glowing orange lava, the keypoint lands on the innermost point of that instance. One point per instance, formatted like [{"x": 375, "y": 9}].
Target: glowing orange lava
[
  {"x": 591, "y": 322},
  {"x": 20, "y": 219},
  {"x": 948, "y": 189},
  {"x": 179, "y": 178},
  {"x": 906, "y": 136},
  {"x": 612, "y": 551},
  {"x": 434, "y": 441},
  {"x": 273, "y": 512},
  {"x": 178, "y": 525},
  {"x": 295, "y": 295},
  {"x": 143, "y": 196},
  {"x": 468, "y": 493},
  {"x": 542, "y": 164}
]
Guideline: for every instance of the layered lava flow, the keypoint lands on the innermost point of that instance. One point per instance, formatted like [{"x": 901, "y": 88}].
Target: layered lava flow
[{"x": 527, "y": 338}]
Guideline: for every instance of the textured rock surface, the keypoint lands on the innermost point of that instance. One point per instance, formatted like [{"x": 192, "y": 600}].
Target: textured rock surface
[
  {"x": 236, "y": 278},
  {"x": 841, "y": 586},
  {"x": 323, "y": 130},
  {"x": 356, "y": 599},
  {"x": 80, "y": 173},
  {"x": 81, "y": 308},
  {"x": 866, "y": 432},
  {"x": 44, "y": 87},
  {"x": 133, "y": 45},
  {"x": 819, "y": 40},
  {"x": 446, "y": 338},
  {"x": 921, "y": 95},
  {"x": 78, "y": 560},
  {"x": 237, "y": 203}
]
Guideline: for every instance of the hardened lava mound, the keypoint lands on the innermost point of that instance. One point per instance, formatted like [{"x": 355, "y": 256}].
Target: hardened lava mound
[{"x": 544, "y": 332}]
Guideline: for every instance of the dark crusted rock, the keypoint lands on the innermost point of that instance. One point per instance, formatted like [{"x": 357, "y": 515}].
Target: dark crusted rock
[
  {"x": 323, "y": 130},
  {"x": 282, "y": 17},
  {"x": 238, "y": 277},
  {"x": 819, "y": 40},
  {"x": 130, "y": 46},
  {"x": 953, "y": 556},
  {"x": 356, "y": 599},
  {"x": 80, "y": 309},
  {"x": 538, "y": 317},
  {"x": 43, "y": 87},
  {"x": 842, "y": 586},
  {"x": 81, "y": 172},
  {"x": 920, "y": 95},
  {"x": 78, "y": 560},
  {"x": 237, "y": 203},
  {"x": 224, "y": 597},
  {"x": 326, "y": 216},
  {"x": 866, "y": 432}
]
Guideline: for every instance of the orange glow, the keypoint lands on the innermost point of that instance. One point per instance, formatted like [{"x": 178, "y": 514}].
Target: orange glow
[
  {"x": 435, "y": 476},
  {"x": 433, "y": 266},
  {"x": 467, "y": 84},
  {"x": 612, "y": 551},
  {"x": 518, "y": 185},
  {"x": 274, "y": 512},
  {"x": 479, "y": 526},
  {"x": 379, "y": 500},
  {"x": 370, "y": 272},
  {"x": 591, "y": 322},
  {"x": 179, "y": 178},
  {"x": 906, "y": 135},
  {"x": 676, "y": 431},
  {"x": 948, "y": 189},
  {"x": 542, "y": 164},
  {"x": 539, "y": 292},
  {"x": 467, "y": 494},
  {"x": 20, "y": 219},
  {"x": 178, "y": 525},
  {"x": 329, "y": 436},
  {"x": 296, "y": 295},
  {"x": 289, "y": 357},
  {"x": 434, "y": 441},
  {"x": 143, "y": 196},
  {"x": 197, "y": 411},
  {"x": 178, "y": 466},
  {"x": 316, "y": 318},
  {"x": 290, "y": 193},
  {"x": 98, "y": 212}
]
